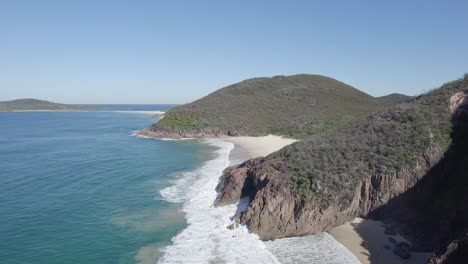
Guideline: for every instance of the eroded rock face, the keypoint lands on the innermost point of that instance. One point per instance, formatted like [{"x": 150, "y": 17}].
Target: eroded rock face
[
  {"x": 274, "y": 212},
  {"x": 455, "y": 251},
  {"x": 458, "y": 101}
]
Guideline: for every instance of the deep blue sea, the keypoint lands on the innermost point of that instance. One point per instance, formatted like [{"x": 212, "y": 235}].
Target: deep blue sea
[
  {"x": 77, "y": 187},
  {"x": 81, "y": 187}
]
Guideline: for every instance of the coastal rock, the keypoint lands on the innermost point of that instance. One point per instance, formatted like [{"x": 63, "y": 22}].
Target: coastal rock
[
  {"x": 274, "y": 212},
  {"x": 458, "y": 102},
  {"x": 456, "y": 251},
  {"x": 156, "y": 131},
  {"x": 401, "y": 252},
  {"x": 404, "y": 245}
]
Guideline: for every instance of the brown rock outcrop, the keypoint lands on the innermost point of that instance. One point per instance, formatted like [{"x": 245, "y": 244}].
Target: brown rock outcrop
[
  {"x": 274, "y": 211},
  {"x": 156, "y": 131}
]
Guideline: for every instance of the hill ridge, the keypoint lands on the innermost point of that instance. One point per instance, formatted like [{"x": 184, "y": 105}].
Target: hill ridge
[{"x": 295, "y": 106}]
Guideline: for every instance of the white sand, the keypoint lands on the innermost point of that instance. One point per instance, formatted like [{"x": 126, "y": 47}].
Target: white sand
[
  {"x": 260, "y": 146},
  {"x": 153, "y": 113},
  {"x": 366, "y": 240}
]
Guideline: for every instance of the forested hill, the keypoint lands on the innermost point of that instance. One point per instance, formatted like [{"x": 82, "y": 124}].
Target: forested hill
[
  {"x": 34, "y": 104},
  {"x": 295, "y": 106}
]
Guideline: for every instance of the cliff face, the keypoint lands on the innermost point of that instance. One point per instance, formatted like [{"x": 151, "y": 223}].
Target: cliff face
[
  {"x": 451, "y": 197},
  {"x": 274, "y": 210}
]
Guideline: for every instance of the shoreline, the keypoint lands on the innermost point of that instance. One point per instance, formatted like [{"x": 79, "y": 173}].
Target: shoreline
[
  {"x": 207, "y": 236},
  {"x": 365, "y": 239}
]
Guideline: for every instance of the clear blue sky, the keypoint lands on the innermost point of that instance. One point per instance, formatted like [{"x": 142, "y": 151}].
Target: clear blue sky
[{"x": 177, "y": 51}]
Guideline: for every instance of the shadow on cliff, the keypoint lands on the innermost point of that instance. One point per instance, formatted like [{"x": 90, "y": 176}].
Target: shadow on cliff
[{"x": 434, "y": 212}]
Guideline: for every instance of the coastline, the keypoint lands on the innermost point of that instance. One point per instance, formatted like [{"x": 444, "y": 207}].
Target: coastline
[
  {"x": 211, "y": 233},
  {"x": 365, "y": 239},
  {"x": 208, "y": 238}
]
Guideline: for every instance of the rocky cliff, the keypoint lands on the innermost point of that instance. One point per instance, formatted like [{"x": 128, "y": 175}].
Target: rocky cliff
[
  {"x": 404, "y": 164},
  {"x": 274, "y": 210}
]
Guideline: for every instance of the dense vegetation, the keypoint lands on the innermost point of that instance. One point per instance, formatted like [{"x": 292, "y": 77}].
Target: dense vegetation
[
  {"x": 33, "y": 104},
  {"x": 395, "y": 98},
  {"x": 326, "y": 166},
  {"x": 296, "y": 106}
]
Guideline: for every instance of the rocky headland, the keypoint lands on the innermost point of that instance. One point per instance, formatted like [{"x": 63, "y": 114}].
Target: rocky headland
[
  {"x": 40, "y": 105},
  {"x": 405, "y": 165}
]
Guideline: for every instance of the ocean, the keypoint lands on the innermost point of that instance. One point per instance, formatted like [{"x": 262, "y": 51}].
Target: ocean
[{"x": 81, "y": 187}]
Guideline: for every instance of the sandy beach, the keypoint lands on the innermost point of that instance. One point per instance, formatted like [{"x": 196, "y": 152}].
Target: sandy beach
[
  {"x": 151, "y": 113},
  {"x": 366, "y": 239},
  {"x": 260, "y": 146}
]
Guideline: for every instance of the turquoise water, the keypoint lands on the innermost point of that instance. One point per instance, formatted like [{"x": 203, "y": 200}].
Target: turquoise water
[{"x": 77, "y": 187}]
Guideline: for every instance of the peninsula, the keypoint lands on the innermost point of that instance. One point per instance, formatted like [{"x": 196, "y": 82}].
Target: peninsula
[{"x": 40, "y": 105}]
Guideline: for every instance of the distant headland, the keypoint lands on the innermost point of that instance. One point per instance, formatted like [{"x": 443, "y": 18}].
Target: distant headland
[{"x": 29, "y": 104}]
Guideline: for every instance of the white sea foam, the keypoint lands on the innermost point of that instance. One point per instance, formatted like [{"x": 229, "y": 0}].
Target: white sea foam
[
  {"x": 207, "y": 239},
  {"x": 136, "y": 134}
]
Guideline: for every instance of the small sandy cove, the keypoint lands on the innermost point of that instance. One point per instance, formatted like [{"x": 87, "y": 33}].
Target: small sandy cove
[
  {"x": 260, "y": 146},
  {"x": 365, "y": 238}
]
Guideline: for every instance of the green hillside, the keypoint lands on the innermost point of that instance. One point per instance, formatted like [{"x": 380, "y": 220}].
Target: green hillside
[
  {"x": 383, "y": 143},
  {"x": 296, "y": 106}
]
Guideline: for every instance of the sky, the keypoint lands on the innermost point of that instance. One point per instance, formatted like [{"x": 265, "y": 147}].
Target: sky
[{"x": 177, "y": 51}]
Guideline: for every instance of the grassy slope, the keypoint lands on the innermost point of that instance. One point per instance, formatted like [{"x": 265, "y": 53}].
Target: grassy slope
[
  {"x": 34, "y": 104},
  {"x": 296, "y": 106}
]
